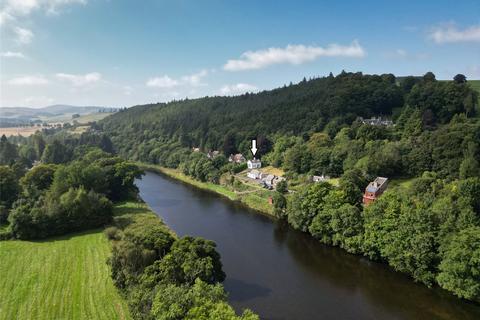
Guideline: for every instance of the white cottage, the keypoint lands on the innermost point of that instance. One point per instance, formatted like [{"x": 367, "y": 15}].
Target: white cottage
[
  {"x": 320, "y": 178},
  {"x": 254, "y": 164},
  {"x": 254, "y": 174}
]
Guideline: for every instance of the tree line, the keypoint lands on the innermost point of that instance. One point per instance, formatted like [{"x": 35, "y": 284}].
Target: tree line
[{"x": 166, "y": 277}]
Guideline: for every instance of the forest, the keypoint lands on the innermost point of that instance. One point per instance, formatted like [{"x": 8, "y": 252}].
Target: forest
[
  {"x": 55, "y": 183},
  {"x": 427, "y": 227}
]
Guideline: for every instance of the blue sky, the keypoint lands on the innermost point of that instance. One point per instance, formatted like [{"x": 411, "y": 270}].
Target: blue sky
[{"x": 121, "y": 53}]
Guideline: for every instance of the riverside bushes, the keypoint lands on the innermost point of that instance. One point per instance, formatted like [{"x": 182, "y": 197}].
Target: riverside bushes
[
  {"x": 58, "y": 199},
  {"x": 429, "y": 229},
  {"x": 163, "y": 276}
]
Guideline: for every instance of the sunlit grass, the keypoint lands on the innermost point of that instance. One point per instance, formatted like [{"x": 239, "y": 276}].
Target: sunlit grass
[{"x": 58, "y": 278}]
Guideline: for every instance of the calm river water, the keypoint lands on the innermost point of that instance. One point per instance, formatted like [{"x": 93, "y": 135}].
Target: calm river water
[{"x": 283, "y": 274}]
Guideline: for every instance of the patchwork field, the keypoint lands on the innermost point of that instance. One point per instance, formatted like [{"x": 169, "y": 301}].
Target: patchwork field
[
  {"x": 92, "y": 117},
  {"x": 59, "y": 278},
  {"x": 15, "y": 131}
]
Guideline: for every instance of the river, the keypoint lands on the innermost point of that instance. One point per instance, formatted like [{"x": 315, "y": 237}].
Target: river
[{"x": 283, "y": 274}]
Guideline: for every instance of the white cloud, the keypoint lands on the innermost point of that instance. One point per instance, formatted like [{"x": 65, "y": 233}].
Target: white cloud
[
  {"x": 166, "y": 82},
  {"x": 195, "y": 79},
  {"x": 22, "y": 35},
  {"x": 162, "y": 82},
  {"x": 450, "y": 34},
  {"x": 53, "y": 6},
  {"x": 238, "y": 88},
  {"x": 292, "y": 54},
  {"x": 21, "y": 7},
  {"x": 10, "y": 54},
  {"x": 12, "y": 9},
  {"x": 5, "y": 17},
  {"x": 80, "y": 80},
  {"x": 28, "y": 81}
]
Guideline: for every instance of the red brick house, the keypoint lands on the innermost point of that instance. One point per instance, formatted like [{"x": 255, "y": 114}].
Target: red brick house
[{"x": 374, "y": 190}]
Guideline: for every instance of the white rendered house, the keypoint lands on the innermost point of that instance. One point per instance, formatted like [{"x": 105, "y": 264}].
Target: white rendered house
[{"x": 254, "y": 164}]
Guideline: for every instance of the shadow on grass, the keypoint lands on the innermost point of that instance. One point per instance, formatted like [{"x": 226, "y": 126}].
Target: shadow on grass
[
  {"x": 122, "y": 210},
  {"x": 122, "y": 221},
  {"x": 67, "y": 236}
]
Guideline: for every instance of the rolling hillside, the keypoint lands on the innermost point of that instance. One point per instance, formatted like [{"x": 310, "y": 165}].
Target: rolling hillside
[
  {"x": 295, "y": 109},
  {"x": 51, "y": 114}
]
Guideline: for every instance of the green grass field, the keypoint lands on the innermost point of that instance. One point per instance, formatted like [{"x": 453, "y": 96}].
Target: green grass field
[
  {"x": 67, "y": 117},
  {"x": 59, "y": 278},
  {"x": 92, "y": 117}
]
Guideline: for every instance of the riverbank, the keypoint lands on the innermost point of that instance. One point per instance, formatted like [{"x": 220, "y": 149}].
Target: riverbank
[{"x": 256, "y": 201}]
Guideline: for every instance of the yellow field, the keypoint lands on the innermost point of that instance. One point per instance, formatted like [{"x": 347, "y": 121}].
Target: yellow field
[
  {"x": 80, "y": 129},
  {"x": 271, "y": 170},
  {"x": 91, "y": 117},
  {"x": 15, "y": 131}
]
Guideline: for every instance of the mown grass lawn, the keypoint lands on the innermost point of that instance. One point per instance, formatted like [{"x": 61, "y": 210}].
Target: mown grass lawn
[{"x": 58, "y": 278}]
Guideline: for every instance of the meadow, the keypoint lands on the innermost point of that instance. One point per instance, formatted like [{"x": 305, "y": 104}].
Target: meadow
[
  {"x": 16, "y": 131},
  {"x": 91, "y": 117},
  {"x": 59, "y": 278}
]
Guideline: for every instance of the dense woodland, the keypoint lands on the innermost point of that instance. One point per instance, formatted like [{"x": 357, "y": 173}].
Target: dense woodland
[
  {"x": 74, "y": 188},
  {"x": 428, "y": 227}
]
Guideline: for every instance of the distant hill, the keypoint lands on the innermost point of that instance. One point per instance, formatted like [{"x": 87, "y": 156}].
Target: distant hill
[
  {"x": 11, "y": 116},
  {"x": 14, "y": 112}
]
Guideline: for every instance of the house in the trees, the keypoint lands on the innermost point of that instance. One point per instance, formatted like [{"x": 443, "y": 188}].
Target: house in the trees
[
  {"x": 254, "y": 174},
  {"x": 377, "y": 121},
  {"x": 254, "y": 164},
  {"x": 320, "y": 178},
  {"x": 268, "y": 180},
  {"x": 276, "y": 180},
  {"x": 237, "y": 158},
  {"x": 374, "y": 190},
  {"x": 213, "y": 154}
]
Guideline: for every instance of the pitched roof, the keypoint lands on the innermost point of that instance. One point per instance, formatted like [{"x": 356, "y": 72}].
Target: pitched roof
[{"x": 376, "y": 184}]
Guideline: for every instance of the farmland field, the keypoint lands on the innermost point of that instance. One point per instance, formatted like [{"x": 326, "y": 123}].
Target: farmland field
[
  {"x": 58, "y": 278},
  {"x": 92, "y": 117},
  {"x": 15, "y": 131},
  {"x": 67, "y": 117}
]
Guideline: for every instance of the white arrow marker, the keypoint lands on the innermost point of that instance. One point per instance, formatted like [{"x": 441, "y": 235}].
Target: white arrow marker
[{"x": 254, "y": 147}]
